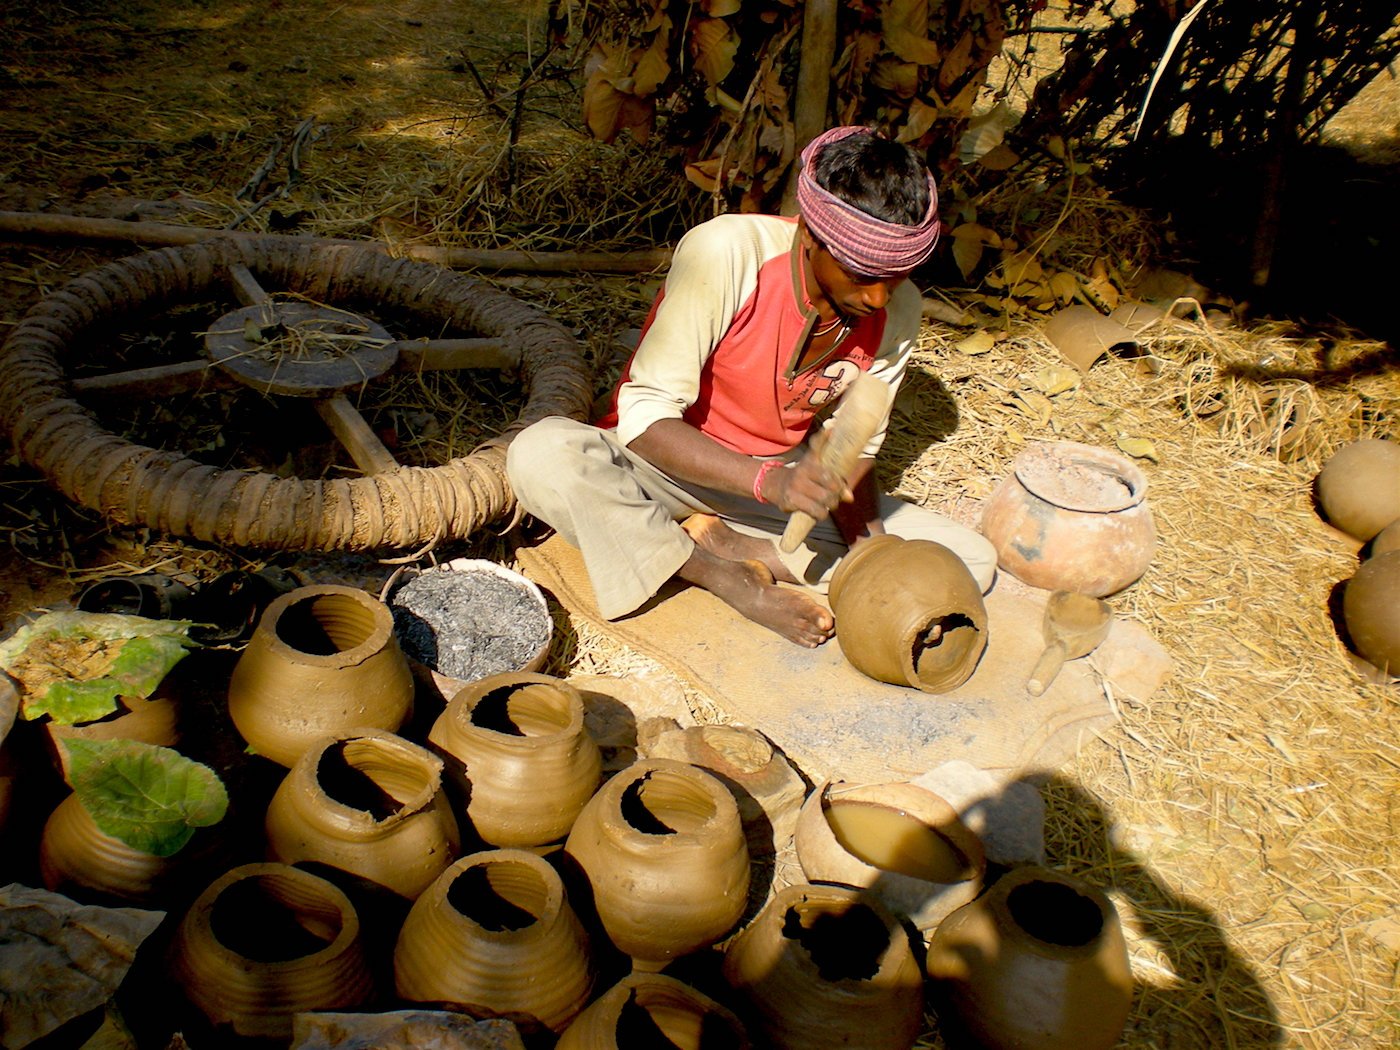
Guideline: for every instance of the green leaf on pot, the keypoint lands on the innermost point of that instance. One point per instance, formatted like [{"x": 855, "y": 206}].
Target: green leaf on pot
[
  {"x": 151, "y": 798},
  {"x": 72, "y": 666}
]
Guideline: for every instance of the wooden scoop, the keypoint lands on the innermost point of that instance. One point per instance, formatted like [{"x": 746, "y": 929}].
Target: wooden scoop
[
  {"x": 1075, "y": 624},
  {"x": 861, "y": 411}
]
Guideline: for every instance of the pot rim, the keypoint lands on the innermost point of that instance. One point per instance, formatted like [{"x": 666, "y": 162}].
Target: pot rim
[
  {"x": 550, "y": 912},
  {"x": 464, "y": 703},
  {"x": 998, "y": 899},
  {"x": 381, "y": 634},
  {"x": 725, "y": 812},
  {"x": 844, "y": 898},
  {"x": 330, "y": 810},
  {"x": 1029, "y": 469}
]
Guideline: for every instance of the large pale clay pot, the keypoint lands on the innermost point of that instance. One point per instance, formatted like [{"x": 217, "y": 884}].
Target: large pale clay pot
[
  {"x": 909, "y": 612},
  {"x": 903, "y": 843},
  {"x": 495, "y": 935},
  {"x": 265, "y": 942},
  {"x": 1072, "y": 517},
  {"x": 322, "y": 659},
  {"x": 74, "y": 851},
  {"x": 826, "y": 966},
  {"x": 367, "y": 803},
  {"x": 1038, "y": 961},
  {"x": 1359, "y": 486},
  {"x": 662, "y": 849},
  {"x": 645, "y": 1011},
  {"x": 516, "y": 747}
]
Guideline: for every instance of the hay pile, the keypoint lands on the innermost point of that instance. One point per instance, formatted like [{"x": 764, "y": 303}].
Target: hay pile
[{"x": 1245, "y": 819}]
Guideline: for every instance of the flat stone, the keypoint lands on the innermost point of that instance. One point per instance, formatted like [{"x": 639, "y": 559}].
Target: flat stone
[
  {"x": 402, "y": 1030},
  {"x": 1008, "y": 816},
  {"x": 614, "y": 708}
]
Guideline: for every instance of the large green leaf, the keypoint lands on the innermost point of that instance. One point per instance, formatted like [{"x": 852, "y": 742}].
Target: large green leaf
[
  {"x": 152, "y": 798},
  {"x": 111, "y": 655}
]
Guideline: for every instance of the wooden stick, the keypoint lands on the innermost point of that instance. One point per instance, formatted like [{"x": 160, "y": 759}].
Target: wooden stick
[
  {"x": 18, "y": 225},
  {"x": 818, "y": 54}
]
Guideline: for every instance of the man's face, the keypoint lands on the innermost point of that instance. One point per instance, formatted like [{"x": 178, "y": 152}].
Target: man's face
[{"x": 853, "y": 295}]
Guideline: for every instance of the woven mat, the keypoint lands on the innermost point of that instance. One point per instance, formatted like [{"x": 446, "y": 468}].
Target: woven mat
[{"x": 832, "y": 721}]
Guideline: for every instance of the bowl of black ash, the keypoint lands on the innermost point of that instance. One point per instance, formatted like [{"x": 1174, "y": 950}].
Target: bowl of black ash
[{"x": 465, "y": 619}]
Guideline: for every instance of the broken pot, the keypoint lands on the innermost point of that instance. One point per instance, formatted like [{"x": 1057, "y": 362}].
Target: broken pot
[
  {"x": 644, "y": 1011},
  {"x": 323, "y": 659},
  {"x": 517, "y": 749},
  {"x": 909, "y": 612},
  {"x": 828, "y": 966},
  {"x": 1071, "y": 517},
  {"x": 662, "y": 851},
  {"x": 265, "y": 942},
  {"x": 1038, "y": 960},
  {"x": 367, "y": 803},
  {"x": 495, "y": 935},
  {"x": 903, "y": 843}
]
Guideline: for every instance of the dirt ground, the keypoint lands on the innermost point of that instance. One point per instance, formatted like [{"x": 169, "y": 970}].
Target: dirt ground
[{"x": 1244, "y": 819}]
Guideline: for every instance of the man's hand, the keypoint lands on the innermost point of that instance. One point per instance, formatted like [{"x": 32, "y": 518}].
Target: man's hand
[{"x": 809, "y": 487}]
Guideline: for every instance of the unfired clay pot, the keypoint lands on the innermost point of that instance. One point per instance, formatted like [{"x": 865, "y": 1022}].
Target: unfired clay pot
[
  {"x": 1371, "y": 608},
  {"x": 1359, "y": 487},
  {"x": 662, "y": 849},
  {"x": 322, "y": 659},
  {"x": 517, "y": 748},
  {"x": 1387, "y": 540},
  {"x": 1072, "y": 517},
  {"x": 1038, "y": 961},
  {"x": 152, "y": 720},
  {"x": 74, "y": 851},
  {"x": 495, "y": 935},
  {"x": 902, "y": 842},
  {"x": 827, "y": 966},
  {"x": 367, "y": 803},
  {"x": 909, "y": 612},
  {"x": 265, "y": 942},
  {"x": 646, "y": 1011}
]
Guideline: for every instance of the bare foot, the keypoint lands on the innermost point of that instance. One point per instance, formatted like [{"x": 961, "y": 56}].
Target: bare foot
[
  {"x": 720, "y": 540},
  {"x": 748, "y": 588}
]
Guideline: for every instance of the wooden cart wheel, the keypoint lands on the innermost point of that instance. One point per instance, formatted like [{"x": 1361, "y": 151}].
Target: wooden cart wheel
[{"x": 391, "y": 506}]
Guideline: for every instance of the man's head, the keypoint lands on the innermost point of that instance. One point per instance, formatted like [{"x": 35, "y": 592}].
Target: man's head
[{"x": 869, "y": 201}]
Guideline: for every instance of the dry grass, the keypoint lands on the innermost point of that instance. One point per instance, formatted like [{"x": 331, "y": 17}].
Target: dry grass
[{"x": 1244, "y": 817}]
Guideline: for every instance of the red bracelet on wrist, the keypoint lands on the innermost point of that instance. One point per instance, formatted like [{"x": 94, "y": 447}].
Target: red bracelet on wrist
[{"x": 763, "y": 469}]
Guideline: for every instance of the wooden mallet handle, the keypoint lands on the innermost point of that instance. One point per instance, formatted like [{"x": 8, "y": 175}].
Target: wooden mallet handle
[{"x": 861, "y": 411}]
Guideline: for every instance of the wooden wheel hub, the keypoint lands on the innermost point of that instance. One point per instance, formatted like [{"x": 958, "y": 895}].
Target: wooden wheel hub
[{"x": 300, "y": 349}]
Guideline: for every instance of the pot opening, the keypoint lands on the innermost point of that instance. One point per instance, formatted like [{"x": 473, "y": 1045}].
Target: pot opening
[
  {"x": 1083, "y": 479},
  {"x": 341, "y": 778},
  {"x": 326, "y": 624},
  {"x": 843, "y": 945},
  {"x": 270, "y": 918},
  {"x": 500, "y": 895},
  {"x": 1055, "y": 913},
  {"x": 663, "y": 803},
  {"x": 942, "y": 646},
  {"x": 893, "y": 840},
  {"x": 661, "y": 1019},
  {"x": 523, "y": 710}
]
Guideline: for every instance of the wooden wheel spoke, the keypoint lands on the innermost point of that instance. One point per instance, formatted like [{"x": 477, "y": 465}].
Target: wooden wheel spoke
[
  {"x": 246, "y": 288},
  {"x": 157, "y": 381},
  {"x": 355, "y": 435},
  {"x": 422, "y": 355}
]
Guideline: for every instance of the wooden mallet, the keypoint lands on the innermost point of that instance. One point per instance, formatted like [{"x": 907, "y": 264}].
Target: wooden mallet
[{"x": 858, "y": 415}]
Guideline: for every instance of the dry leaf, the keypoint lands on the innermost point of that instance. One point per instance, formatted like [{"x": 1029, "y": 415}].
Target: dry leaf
[
  {"x": 1033, "y": 404},
  {"x": 1138, "y": 448},
  {"x": 713, "y": 43},
  {"x": 967, "y": 253},
  {"x": 1000, "y": 158},
  {"x": 905, "y": 27},
  {"x": 1064, "y": 285},
  {"x": 720, "y": 8},
  {"x": 704, "y": 174},
  {"x": 977, "y": 343},
  {"x": 896, "y": 76},
  {"x": 1054, "y": 380}
]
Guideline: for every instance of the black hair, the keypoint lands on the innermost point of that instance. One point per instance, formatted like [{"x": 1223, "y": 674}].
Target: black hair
[{"x": 879, "y": 176}]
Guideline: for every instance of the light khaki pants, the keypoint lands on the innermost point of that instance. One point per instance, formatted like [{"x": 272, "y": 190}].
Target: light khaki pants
[{"x": 624, "y": 515}]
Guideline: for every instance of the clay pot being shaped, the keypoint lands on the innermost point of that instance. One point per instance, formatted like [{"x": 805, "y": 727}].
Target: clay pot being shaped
[
  {"x": 902, "y": 842},
  {"x": 495, "y": 935},
  {"x": 1038, "y": 960},
  {"x": 828, "y": 966},
  {"x": 369, "y": 804},
  {"x": 74, "y": 851},
  {"x": 909, "y": 612},
  {"x": 265, "y": 942},
  {"x": 662, "y": 851},
  {"x": 1072, "y": 517},
  {"x": 645, "y": 1011},
  {"x": 323, "y": 659},
  {"x": 1371, "y": 608},
  {"x": 516, "y": 746},
  {"x": 1359, "y": 487}
]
